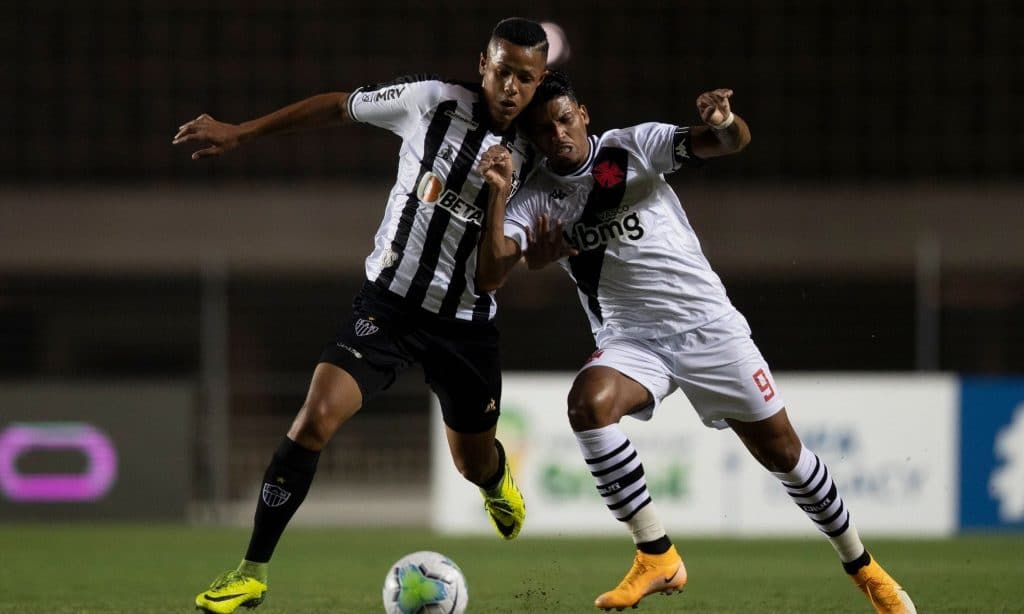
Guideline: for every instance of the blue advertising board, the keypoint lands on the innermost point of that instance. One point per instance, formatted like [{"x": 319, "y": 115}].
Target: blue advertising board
[{"x": 992, "y": 453}]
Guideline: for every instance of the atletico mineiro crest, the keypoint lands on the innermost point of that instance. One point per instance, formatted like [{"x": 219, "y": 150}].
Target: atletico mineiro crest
[
  {"x": 365, "y": 327},
  {"x": 274, "y": 496}
]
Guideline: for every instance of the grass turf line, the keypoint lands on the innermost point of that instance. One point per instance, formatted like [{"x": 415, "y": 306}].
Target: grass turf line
[{"x": 141, "y": 568}]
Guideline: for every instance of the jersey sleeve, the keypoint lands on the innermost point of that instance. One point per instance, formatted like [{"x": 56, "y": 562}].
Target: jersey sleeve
[
  {"x": 521, "y": 214},
  {"x": 665, "y": 147},
  {"x": 395, "y": 105}
]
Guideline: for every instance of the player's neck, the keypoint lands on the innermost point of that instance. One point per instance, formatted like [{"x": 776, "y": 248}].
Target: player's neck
[
  {"x": 500, "y": 126},
  {"x": 571, "y": 167}
]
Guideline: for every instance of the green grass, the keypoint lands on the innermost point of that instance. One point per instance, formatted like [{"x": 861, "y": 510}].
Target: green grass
[{"x": 112, "y": 568}]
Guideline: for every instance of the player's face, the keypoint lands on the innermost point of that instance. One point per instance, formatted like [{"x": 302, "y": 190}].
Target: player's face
[
  {"x": 559, "y": 130},
  {"x": 511, "y": 73}
]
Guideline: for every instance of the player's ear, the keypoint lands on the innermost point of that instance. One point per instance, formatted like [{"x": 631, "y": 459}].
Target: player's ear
[
  {"x": 584, "y": 115},
  {"x": 483, "y": 59}
]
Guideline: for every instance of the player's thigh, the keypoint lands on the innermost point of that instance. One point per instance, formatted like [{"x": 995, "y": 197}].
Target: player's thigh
[
  {"x": 642, "y": 380},
  {"x": 463, "y": 367},
  {"x": 602, "y": 395},
  {"x": 361, "y": 361},
  {"x": 332, "y": 391},
  {"x": 332, "y": 399},
  {"x": 724, "y": 375},
  {"x": 372, "y": 349},
  {"x": 743, "y": 391}
]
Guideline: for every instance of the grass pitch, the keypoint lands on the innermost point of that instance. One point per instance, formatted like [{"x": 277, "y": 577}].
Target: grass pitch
[{"x": 113, "y": 568}]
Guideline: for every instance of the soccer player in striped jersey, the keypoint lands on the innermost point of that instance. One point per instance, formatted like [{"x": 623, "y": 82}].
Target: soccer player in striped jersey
[
  {"x": 420, "y": 302},
  {"x": 660, "y": 317}
]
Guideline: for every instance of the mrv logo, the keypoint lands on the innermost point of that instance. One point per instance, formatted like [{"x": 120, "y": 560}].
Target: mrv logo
[
  {"x": 386, "y": 94},
  {"x": 589, "y": 237}
]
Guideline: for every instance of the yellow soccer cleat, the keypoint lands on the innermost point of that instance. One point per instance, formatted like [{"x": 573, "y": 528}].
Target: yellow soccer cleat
[
  {"x": 229, "y": 591},
  {"x": 883, "y": 592},
  {"x": 650, "y": 573},
  {"x": 505, "y": 506}
]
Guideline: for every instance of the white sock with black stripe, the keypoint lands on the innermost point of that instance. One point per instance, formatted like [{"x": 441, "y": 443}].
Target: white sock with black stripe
[
  {"x": 619, "y": 474},
  {"x": 812, "y": 489}
]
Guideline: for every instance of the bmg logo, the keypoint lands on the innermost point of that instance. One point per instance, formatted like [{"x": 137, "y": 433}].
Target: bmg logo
[
  {"x": 590, "y": 237},
  {"x": 93, "y": 483}
]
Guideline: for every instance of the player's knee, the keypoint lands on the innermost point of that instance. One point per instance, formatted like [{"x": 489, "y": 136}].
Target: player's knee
[
  {"x": 316, "y": 424},
  {"x": 781, "y": 456},
  {"x": 590, "y": 407}
]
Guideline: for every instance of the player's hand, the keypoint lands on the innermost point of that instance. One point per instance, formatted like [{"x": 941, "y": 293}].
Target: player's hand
[
  {"x": 204, "y": 129},
  {"x": 496, "y": 167},
  {"x": 547, "y": 244},
  {"x": 713, "y": 106}
]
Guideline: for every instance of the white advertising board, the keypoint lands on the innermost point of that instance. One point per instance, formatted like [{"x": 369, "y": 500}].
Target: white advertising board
[{"x": 889, "y": 440}]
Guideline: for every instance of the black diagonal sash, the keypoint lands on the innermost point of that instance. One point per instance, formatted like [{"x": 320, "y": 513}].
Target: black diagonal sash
[{"x": 586, "y": 267}]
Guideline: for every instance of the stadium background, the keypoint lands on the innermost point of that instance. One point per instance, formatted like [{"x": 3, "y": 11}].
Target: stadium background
[{"x": 873, "y": 226}]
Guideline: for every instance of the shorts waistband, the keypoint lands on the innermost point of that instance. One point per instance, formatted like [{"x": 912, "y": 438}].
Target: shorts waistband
[{"x": 395, "y": 306}]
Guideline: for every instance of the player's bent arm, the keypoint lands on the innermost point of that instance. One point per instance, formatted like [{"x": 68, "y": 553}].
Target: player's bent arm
[
  {"x": 708, "y": 142},
  {"x": 496, "y": 254}
]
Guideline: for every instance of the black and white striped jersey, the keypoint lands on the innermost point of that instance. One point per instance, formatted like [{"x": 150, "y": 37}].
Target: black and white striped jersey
[{"x": 426, "y": 247}]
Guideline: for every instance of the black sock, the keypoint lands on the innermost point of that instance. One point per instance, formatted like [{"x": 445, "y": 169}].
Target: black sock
[
  {"x": 854, "y": 566},
  {"x": 495, "y": 479},
  {"x": 285, "y": 485},
  {"x": 658, "y": 546}
]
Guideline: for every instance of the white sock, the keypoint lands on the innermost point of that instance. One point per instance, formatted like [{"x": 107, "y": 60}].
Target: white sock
[
  {"x": 619, "y": 474},
  {"x": 645, "y": 525},
  {"x": 812, "y": 489}
]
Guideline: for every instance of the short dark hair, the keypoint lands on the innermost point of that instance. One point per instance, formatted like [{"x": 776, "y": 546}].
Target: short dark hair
[
  {"x": 554, "y": 85},
  {"x": 520, "y": 31}
]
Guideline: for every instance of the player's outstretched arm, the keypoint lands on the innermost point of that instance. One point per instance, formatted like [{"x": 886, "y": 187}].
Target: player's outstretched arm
[
  {"x": 723, "y": 132},
  {"x": 219, "y": 137},
  {"x": 496, "y": 253}
]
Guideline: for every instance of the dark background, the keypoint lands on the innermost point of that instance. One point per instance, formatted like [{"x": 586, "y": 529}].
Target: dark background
[
  {"x": 840, "y": 97},
  {"x": 858, "y": 91}
]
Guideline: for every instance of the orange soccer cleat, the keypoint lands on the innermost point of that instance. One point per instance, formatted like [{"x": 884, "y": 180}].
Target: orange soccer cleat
[
  {"x": 650, "y": 573},
  {"x": 884, "y": 593}
]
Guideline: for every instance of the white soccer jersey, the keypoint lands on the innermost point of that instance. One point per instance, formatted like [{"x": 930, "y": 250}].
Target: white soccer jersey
[
  {"x": 426, "y": 247},
  {"x": 640, "y": 270}
]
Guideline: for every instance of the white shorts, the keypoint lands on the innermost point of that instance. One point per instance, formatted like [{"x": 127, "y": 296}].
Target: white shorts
[{"x": 717, "y": 366}]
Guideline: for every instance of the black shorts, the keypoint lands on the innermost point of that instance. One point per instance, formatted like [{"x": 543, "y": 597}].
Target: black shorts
[{"x": 460, "y": 359}]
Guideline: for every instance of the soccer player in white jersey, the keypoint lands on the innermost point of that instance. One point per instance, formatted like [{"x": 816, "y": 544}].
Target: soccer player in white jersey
[
  {"x": 660, "y": 316},
  {"x": 420, "y": 302}
]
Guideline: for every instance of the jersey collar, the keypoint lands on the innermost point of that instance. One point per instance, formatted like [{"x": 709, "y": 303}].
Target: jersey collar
[{"x": 584, "y": 168}]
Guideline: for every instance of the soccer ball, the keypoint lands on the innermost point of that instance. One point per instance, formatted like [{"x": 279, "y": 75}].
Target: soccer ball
[
  {"x": 425, "y": 583},
  {"x": 558, "y": 43}
]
